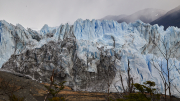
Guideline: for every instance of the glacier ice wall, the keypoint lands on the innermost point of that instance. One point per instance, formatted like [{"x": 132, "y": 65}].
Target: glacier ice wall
[
  {"x": 13, "y": 40},
  {"x": 135, "y": 41}
]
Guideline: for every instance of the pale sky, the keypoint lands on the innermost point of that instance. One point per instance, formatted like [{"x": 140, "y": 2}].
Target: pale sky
[{"x": 35, "y": 13}]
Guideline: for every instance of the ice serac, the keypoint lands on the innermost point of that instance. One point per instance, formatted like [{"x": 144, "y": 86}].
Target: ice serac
[
  {"x": 47, "y": 31},
  {"x": 85, "y": 50},
  {"x": 13, "y": 40}
]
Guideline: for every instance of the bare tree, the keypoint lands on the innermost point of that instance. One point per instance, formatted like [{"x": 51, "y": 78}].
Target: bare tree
[
  {"x": 52, "y": 81},
  {"x": 130, "y": 80},
  {"x": 168, "y": 50},
  {"x": 161, "y": 73},
  {"x": 109, "y": 70},
  {"x": 129, "y": 88}
]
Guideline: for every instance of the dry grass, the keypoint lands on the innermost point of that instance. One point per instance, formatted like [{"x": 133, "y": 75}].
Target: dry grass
[{"x": 71, "y": 95}]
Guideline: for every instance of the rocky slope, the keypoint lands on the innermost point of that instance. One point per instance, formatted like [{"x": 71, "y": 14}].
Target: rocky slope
[
  {"x": 146, "y": 15},
  {"x": 171, "y": 18}
]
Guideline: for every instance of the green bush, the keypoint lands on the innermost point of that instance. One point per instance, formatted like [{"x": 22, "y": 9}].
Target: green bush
[{"x": 142, "y": 94}]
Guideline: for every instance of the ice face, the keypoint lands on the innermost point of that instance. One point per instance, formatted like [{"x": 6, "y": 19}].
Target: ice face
[
  {"x": 13, "y": 40},
  {"x": 6, "y": 44},
  {"x": 134, "y": 42}
]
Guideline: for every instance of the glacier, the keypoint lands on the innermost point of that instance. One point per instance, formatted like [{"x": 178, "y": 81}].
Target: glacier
[
  {"x": 9, "y": 33},
  {"x": 130, "y": 39},
  {"x": 88, "y": 40}
]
